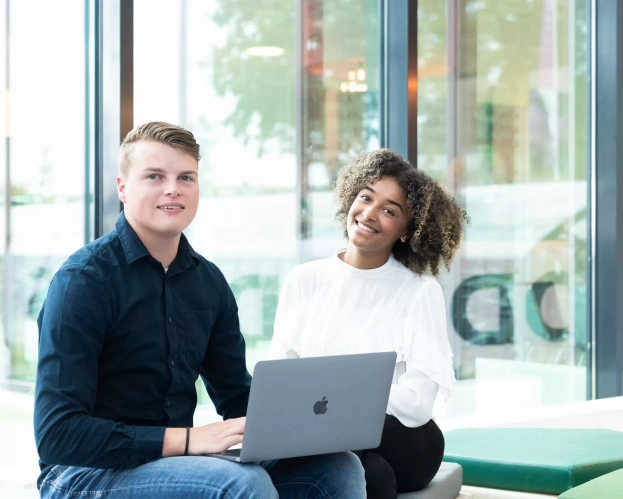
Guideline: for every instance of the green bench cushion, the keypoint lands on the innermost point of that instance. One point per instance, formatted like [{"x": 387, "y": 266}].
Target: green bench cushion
[
  {"x": 547, "y": 461},
  {"x": 609, "y": 486}
]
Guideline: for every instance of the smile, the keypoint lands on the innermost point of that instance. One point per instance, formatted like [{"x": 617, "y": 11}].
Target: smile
[
  {"x": 366, "y": 228},
  {"x": 171, "y": 207}
]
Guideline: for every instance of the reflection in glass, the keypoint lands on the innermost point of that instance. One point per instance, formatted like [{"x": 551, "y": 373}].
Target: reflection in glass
[
  {"x": 502, "y": 122},
  {"x": 228, "y": 71},
  {"x": 42, "y": 196},
  {"x": 340, "y": 76},
  {"x": 44, "y": 162}
]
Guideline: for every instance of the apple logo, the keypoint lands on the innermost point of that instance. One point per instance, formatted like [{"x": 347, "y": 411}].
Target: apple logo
[{"x": 320, "y": 407}]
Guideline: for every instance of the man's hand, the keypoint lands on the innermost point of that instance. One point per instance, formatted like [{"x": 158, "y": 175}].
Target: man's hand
[
  {"x": 209, "y": 439},
  {"x": 216, "y": 437}
]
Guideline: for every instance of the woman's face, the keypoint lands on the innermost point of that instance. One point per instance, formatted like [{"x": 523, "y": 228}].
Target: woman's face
[{"x": 378, "y": 217}]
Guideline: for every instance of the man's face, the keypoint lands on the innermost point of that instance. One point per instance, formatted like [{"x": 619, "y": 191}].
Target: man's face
[{"x": 161, "y": 191}]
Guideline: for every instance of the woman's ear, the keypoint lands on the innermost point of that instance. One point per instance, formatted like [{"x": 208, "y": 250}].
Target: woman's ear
[{"x": 404, "y": 238}]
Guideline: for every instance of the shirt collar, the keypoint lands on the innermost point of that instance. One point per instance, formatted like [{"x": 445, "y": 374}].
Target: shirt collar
[
  {"x": 134, "y": 248},
  {"x": 186, "y": 254}
]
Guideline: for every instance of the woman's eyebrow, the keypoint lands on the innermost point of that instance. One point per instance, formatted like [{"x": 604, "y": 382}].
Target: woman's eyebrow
[{"x": 389, "y": 200}]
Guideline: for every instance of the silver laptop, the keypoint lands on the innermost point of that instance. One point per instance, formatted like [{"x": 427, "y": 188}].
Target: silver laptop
[{"x": 316, "y": 405}]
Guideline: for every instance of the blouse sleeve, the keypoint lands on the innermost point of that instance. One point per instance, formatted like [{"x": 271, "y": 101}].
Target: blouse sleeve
[
  {"x": 424, "y": 345},
  {"x": 411, "y": 399},
  {"x": 285, "y": 343}
]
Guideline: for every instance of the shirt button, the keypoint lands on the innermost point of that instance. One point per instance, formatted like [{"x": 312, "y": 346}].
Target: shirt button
[
  {"x": 170, "y": 319},
  {"x": 172, "y": 363},
  {"x": 168, "y": 404}
]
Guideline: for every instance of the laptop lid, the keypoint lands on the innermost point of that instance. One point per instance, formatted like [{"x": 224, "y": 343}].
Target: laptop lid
[{"x": 317, "y": 405}]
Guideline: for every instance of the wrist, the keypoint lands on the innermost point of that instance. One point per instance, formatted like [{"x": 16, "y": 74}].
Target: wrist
[
  {"x": 187, "y": 441},
  {"x": 174, "y": 442},
  {"x": 192, "y": 441}
]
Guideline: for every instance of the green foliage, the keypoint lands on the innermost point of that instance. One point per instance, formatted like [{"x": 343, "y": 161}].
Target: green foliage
[{"x": 264, "y": 87}]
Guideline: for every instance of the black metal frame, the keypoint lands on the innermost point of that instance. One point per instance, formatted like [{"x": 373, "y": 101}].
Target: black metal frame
[
  {"x": 399, "y": 80},
  {"x": 98, "y": 133},
  {"x": 591, "y": 391},
  {"x": 114, "y": 102},
  {"x": 607, "y": 145}
]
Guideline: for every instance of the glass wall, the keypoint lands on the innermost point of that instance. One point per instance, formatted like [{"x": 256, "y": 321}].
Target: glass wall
[
  {"x": 503, "y": 124},
  {"x": 280, "y": 96},
  {"x": 43, "y": 164},
  {"x": 340, "y": 109},
  {"x": 42, "y": 193},
  {"x": 232, "y": 72}
]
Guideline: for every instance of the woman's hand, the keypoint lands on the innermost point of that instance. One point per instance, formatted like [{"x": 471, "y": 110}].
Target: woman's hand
[{"x": 209, "y": 439}]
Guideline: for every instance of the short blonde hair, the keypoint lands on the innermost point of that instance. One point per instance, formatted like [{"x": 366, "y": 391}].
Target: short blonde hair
[{"x": 156, "y": 131}]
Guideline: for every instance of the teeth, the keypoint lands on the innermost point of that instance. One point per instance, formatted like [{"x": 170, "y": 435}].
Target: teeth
[
  {"x": 171, "y": 207},
  {"x": 361, "y": 226}
]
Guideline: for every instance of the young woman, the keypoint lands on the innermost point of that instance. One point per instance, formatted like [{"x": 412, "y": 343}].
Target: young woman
[{"x": 380, "y": 294}]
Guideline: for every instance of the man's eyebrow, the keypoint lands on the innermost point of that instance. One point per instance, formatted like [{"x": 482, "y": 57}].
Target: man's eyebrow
[
  {"x": 389, "y": 200},
  {"x": 160, "y": 170}
]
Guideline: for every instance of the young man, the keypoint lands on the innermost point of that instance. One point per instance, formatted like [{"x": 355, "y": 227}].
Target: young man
[{"x": 131, "y": 320}]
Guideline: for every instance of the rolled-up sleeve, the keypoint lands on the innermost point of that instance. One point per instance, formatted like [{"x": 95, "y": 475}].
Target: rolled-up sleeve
[{"x": 73, "y": 323}]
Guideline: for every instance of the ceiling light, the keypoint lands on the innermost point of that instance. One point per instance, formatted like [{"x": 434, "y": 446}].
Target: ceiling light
[{"x": 264, "y": 51}]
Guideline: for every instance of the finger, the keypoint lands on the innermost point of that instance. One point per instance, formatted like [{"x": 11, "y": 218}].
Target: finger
[
  {"x": 242, "y": 420},
  {"x": 235, "y": 426},
  {"x": 228, "y": 442},
  {"x": 226, "y": 429}
]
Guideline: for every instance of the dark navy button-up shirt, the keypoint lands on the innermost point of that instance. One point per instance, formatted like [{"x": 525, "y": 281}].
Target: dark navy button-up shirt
[{"x": 121, "y": 345}]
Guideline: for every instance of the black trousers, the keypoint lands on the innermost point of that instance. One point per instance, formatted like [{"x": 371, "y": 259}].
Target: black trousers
[{"x": 406, "y": 460}]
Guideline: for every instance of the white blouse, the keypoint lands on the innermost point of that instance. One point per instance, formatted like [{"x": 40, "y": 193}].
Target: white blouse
[{"x": 328, "y": 307}]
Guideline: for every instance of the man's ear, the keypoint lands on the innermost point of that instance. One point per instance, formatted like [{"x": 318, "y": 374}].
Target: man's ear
[{"x": 121, "y": 189}]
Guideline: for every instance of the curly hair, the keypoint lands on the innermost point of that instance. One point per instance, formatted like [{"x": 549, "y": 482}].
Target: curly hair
[{"x": 436, "y": 221}]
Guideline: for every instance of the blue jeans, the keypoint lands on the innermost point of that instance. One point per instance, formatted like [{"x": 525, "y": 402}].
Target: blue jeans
[{"x": 327, "y": 476}]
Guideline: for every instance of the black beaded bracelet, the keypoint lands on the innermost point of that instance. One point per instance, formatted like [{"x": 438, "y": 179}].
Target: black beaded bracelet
[{"x": 187, "y": 440}]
